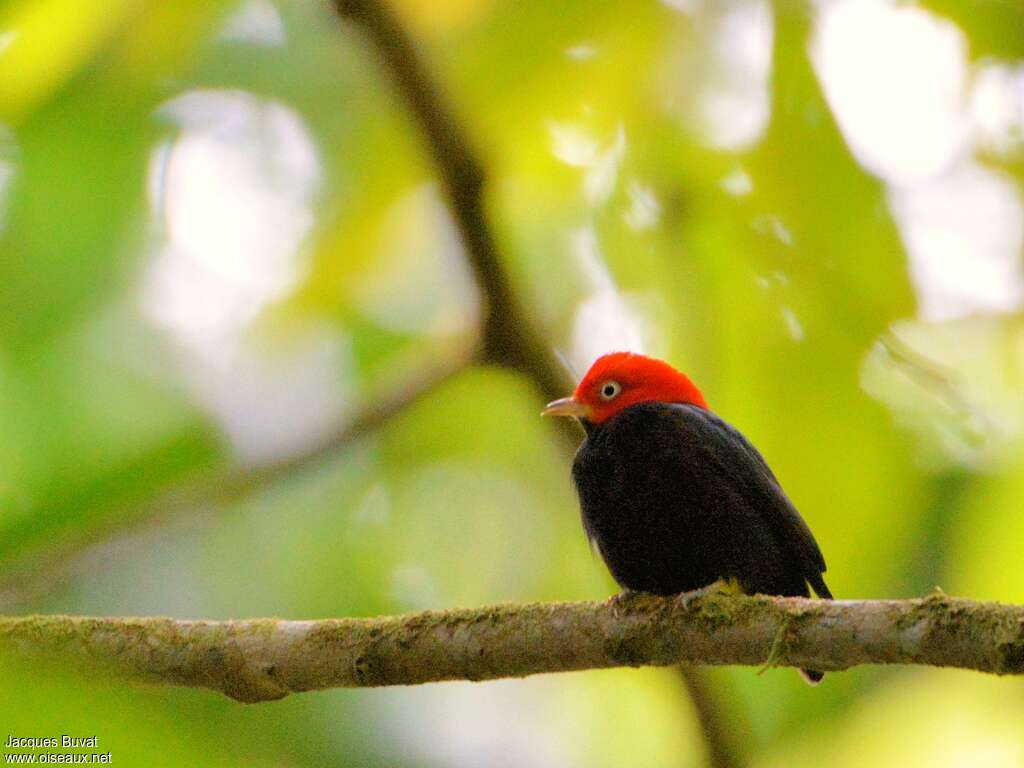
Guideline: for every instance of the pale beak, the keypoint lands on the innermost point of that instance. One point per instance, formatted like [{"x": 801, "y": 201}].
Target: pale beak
[{"x": 567, "y": 406}]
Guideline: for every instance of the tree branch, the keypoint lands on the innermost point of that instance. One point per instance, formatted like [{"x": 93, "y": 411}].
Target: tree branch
[
  {"x": 262, "y": 659},
  {"x": 509, "y": 338}
]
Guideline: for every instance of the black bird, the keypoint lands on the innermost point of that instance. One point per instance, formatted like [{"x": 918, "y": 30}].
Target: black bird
[{"x": 673, "y": 497}]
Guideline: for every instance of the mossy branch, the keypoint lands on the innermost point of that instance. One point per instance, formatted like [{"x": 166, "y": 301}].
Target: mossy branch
[{"x": 263, "y": 659}]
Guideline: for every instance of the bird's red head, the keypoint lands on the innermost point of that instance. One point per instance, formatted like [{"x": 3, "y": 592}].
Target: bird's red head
[{"x": 621, "y": 379}]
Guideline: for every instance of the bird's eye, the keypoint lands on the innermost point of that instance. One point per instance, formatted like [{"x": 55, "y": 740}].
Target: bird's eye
[{"x": 610, "y": 389}]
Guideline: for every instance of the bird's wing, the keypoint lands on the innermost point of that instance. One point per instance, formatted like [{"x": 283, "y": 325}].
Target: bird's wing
[{"x": 741, "y": 461}]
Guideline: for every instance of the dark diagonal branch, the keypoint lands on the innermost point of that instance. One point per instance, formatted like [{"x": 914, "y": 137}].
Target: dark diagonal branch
[
  {"x": 262, "y": 659},
  {"x": 509, "y": 338}
]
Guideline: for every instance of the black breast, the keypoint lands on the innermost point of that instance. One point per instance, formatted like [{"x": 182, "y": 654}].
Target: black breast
[{"x": 675, "y": 498}]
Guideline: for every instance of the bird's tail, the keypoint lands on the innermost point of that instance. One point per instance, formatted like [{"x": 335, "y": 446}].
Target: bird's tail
[
  {"x": 820, "y": 587},
  {"x": 813, "y": 676}
]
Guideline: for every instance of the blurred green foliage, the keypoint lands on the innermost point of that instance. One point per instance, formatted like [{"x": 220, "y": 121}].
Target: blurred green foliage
[{"x": 770, "y": 271}]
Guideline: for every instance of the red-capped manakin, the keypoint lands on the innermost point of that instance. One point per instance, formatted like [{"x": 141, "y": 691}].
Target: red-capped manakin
[{"x": 673, "y": 497}]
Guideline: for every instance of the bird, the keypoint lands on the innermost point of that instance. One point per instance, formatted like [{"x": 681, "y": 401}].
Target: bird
[{"x": 673, "y": 498}]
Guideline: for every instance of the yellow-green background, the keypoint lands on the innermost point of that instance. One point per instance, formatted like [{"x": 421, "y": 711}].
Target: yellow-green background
[{"x": 909, "y": 479}]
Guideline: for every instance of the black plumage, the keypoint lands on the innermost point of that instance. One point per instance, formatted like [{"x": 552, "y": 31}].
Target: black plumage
[{"x": 674, "y": 498}]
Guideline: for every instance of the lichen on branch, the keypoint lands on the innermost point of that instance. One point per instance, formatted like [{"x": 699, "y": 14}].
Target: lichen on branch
[{"x": 263, "y": 659}]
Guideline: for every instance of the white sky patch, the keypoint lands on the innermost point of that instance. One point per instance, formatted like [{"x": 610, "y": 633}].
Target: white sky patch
[
  {"x": 418, "y": 282},
  {"x": 773, "y": 226},
  {"x": 574, "y": 146},
  {"x": 255, "y": 21},
  {"x": 895, "y": 78},
  {"x": 736, "y": 103},
  {"x": 232, "y": 195},
  {"x": 737, "y": 183},
  {"x": 7, "y": 39},
  {"x": 644, "y": 210},
  {"x": 375, "y": 507},
  {"x": 606, "y": 320},
  {"x": 689, "y": 7},
  {"x": 793, "y": 325},
  {"x": 413, "y": 588},
  {"x": 771, "y": 281},
  {"x": 232, "y": 198},
  {"x": 913, "y": 112},
  {"x": 601, "y": 176},
  {"x": 581, "y": 52},
  {"x": 964, "y": 233},
  {"x": 997, "y": 107},
  {"x": 274, "y": 400},
  {"x": 465, "y": 725}
]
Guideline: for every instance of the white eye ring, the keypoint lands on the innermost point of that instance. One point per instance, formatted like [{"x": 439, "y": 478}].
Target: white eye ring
[{"x": 610, "y": 390}]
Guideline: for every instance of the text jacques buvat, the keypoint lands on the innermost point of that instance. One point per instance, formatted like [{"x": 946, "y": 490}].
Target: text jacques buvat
[{"x": 64, "y": 741}]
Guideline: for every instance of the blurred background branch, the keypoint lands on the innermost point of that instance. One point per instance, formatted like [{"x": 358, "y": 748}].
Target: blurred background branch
[
  {"x": 719, "y": 727},
  {"x": 41, "y": 569},
  {"x": 509, "y": 337}
]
